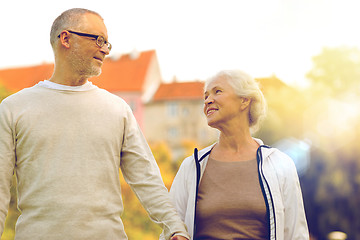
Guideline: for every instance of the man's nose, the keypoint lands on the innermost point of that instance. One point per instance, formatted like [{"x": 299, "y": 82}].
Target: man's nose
[{"x": 105, "y": 49}]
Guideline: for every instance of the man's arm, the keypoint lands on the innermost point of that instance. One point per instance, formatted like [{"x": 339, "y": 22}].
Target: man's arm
[
  {"x": 7, "y": 162},
  {"x": 142, "y": 173}
]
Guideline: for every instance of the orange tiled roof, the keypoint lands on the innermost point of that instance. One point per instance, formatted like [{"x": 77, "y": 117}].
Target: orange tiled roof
[
  {"x": 195, "y": 90},
  {"x": 179, "y": 90},
  {"x": 126, "y": 73},
  {"x": 123, "y": 74},
  {"x": 15, "y": 79}
]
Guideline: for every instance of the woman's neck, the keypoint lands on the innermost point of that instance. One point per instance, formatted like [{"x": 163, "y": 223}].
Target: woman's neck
[{"x": 237, "y": 146}]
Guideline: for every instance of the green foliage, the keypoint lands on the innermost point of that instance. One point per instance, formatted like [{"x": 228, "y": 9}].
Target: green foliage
[
  {"x": 336, "y": 69},
  {"x": 327, "y": 114},
  {"x": 13, "y": 214},
  {"x": 331, "y": 186},
  {"x": 3, "y": 92},
  {"x": 286, "y": 106}
]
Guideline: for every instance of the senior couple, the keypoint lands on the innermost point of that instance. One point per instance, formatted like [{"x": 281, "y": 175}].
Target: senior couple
[{"x": 66, "y": 139}]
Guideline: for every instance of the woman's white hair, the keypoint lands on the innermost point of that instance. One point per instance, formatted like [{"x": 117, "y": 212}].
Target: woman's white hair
[{"x": 245, "y": 86}]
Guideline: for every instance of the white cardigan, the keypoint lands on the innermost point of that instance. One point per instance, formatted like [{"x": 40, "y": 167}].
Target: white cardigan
[{"x": 279, "y": 181}]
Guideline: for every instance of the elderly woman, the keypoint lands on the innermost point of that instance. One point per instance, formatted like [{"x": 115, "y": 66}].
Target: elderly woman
[{"x": 238, "y": 188}]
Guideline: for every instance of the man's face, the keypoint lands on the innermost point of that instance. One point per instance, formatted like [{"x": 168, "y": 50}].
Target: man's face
[{"x": 86, "y": 56}]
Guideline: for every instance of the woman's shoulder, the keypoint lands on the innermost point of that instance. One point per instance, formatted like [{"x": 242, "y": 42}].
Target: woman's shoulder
[
  {"x": 280, "y": 156},
  {"x": 282, "y": 162},
  {"x": 205, "y": 151},
  {"x": 201, "y": 154}
]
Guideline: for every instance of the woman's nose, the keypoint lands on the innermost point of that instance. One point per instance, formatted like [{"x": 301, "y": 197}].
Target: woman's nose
[{"x": 208, "y": 101}]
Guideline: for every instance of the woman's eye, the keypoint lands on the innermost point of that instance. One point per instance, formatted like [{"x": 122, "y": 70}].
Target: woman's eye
[{"x": 218, "y": 91}]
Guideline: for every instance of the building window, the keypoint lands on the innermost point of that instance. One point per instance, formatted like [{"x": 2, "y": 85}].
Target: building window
[
  {"x": 186, "y": 111},
  {"x": 172, "y": 109},
  {"x": 173, "y": 132}
]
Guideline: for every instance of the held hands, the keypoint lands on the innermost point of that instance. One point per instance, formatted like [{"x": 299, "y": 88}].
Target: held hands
[{"x": 176, "y": 237}]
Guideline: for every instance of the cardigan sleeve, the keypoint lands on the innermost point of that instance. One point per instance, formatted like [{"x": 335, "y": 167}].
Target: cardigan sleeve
[
  {"x": 295, "y": 224},
  {"x": 179, "y": 193}
]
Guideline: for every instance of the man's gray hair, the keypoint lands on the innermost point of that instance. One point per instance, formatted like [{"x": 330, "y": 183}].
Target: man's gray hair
[{"x": 69, "y": 19}]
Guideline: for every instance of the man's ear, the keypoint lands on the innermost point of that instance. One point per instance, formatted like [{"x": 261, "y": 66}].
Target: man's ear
[{"x": 65, "y": 39}]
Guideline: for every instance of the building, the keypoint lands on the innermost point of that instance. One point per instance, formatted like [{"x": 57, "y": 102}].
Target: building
[
  {"x": 134, "y": 77},
  {"x": 175, "y": 115}
]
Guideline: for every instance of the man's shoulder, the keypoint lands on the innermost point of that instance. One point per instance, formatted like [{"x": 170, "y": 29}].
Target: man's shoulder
[
  {"x": 111, "y": 96},
  {"x": 22, "y": 94}
]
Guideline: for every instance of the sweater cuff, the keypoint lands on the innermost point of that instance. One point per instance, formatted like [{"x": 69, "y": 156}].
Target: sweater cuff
[{"x": 183, "y": 234}]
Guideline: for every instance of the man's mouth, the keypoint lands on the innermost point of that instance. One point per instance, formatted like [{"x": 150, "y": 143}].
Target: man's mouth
[{"x": 99, "y": 59}]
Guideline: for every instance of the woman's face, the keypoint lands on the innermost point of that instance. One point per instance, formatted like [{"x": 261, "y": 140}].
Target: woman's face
[{"x": 222, "y": 105}]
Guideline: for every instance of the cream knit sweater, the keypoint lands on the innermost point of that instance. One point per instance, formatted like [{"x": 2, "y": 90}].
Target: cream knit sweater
[{"x": 66, "y": 148}]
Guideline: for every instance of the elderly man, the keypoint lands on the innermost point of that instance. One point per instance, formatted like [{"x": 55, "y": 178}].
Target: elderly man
[{"x": 66, "y": 140}]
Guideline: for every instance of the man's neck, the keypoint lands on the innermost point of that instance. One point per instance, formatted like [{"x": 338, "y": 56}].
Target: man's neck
[{"x": 68, "y": 80}]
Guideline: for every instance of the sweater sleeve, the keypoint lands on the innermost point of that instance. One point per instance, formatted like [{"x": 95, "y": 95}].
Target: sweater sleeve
[
  {"x": 141, "y": 172},
  {"x": 7, "y": 161}
]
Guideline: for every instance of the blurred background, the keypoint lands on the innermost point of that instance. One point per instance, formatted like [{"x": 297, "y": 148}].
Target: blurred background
[{"x": 305, "y": 55}]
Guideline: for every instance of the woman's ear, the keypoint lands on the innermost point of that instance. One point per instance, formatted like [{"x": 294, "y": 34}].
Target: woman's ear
[{"x": 245, "y": 102}]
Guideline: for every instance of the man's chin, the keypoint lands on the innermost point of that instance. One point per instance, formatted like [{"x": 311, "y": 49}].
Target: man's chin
[
  {"x": 94, "y": 73},
  {"x": 97, "y": 73}
]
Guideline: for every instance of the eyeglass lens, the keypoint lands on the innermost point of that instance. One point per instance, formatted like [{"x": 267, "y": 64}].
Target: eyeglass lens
[{"x": 100, "y": 41}]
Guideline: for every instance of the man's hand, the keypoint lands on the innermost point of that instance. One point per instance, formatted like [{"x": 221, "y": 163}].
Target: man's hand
[{"x": 176, "y": 237}]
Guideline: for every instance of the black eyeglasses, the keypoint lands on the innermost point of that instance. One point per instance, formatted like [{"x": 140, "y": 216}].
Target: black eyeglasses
[{"x": 100, "y": 40}]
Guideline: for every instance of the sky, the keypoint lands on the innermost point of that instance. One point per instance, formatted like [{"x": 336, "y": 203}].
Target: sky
[{"x": 194, "y": 39}]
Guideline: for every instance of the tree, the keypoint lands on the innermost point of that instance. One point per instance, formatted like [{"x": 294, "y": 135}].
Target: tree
[
  {"x": 336, "y": 69},
  {"x": 327, "y": 114},
  {"x": 3, "y": 91},
  {"x": 286, "y": 106},
  {"x": 13, "y": 212},
  {"x": 331, "y": 187}
]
